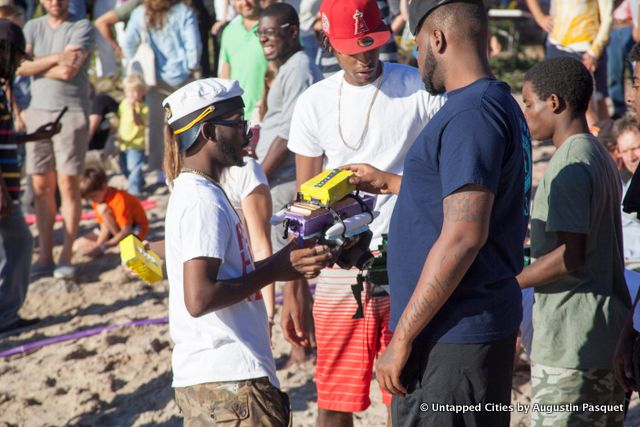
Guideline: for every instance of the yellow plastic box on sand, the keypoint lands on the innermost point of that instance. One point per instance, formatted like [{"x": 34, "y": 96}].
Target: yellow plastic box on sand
[{"x": 146, "y": 264}]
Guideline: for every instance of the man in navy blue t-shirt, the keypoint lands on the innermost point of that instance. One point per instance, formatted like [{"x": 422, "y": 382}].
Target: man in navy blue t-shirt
[{"x": 457, "y": 232}]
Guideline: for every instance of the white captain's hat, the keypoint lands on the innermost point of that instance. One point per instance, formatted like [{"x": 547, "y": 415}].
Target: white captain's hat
[{"x": 197, "y": 102}]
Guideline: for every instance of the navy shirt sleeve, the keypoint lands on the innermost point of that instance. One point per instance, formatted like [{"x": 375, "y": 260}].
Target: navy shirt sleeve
[{"x": 471, "y": 152}]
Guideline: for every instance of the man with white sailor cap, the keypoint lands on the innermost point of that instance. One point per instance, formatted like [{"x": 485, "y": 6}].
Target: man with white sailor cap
[{"x": 223, "y": 368}]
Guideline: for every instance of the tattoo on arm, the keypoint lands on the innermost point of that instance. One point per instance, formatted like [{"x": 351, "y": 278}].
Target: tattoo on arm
[
  {"x": 467, "y": 205},
  {"x": 466, "y": 221},
  {"x": 427, "y": 300},
  {"x": 424, "y": 306}
]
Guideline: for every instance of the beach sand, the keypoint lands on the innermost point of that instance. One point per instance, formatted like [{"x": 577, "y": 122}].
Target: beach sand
[{"x": 122, "y": 377}]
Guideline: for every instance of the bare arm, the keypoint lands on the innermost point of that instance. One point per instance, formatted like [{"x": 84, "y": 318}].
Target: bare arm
[
  {"x": 275, "y": 157},
  {"x": 464, "y": 231},
  {"x": 61, "y": 65},
  {"x": 542, "y": 19},
  {"x": 103, "y": 236},
  {"x": 294, "y": 310},
  {"x": 398, "y": 23},
  {"x": 225, "y": 70},
  {"x": 62, "y": 72},
  {"x": 567, "y": 257},
  {"x": 39, "y": 65},
  {"x": 94, "y": 123},
  {"x": 204, "y": 293},
  {"x": 605, "y": 8},
  {"x": 104, "y": 26},
  {"x": 157, "y": 247},
  {"x": 45, "y": 131},
  {"x": 307, "y": 168},
  {"x": 124, "y": 232},
  {"x": 257, "y": 212}
]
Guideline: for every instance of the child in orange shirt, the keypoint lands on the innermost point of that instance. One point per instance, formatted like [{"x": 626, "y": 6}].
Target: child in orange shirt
[{"x": 118, "y": 213}]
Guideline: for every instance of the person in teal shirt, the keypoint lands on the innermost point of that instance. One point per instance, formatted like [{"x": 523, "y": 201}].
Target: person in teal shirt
[{"x": 241, "y": 55}]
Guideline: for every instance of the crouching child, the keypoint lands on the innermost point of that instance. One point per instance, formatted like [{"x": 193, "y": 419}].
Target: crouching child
[{"x": 118, "y": 213}]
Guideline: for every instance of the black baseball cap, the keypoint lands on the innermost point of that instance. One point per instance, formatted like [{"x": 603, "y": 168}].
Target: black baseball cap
[
  {"x": 13, "y": 34},
  {"x": 419, "y": 9}
]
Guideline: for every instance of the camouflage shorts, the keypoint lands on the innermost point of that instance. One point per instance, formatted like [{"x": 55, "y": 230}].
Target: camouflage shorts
[
  {"x": 247, "y": 403},
  {"x": 575, "y": 397}
]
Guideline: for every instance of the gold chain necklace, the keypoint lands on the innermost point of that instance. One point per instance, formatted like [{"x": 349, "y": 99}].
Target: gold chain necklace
[
  {"x": 366, "y": 124},
  {"x": 212, "y": 181}
]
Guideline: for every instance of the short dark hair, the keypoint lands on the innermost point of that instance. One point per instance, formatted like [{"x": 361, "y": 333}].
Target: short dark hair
[
  {"x": 634, "y": 55},
  {"x": 92, "y": 180},
  {"x": 565, "y": 77},
  {"x": 285, "y": 13},
  {"x": 462, "y": 20},
  {"x": 624, "y": 124}
]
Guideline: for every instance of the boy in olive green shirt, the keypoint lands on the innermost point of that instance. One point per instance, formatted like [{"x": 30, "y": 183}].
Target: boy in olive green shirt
[{"x": 581, "y": 299}]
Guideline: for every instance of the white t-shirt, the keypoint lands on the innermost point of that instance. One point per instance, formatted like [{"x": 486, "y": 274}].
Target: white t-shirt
[
  {"x": 227, "y": 13},
  {"x": 401, "y": 110},
  {"x": 230, "y": 344},
  {"x": 240, "y": 181}
]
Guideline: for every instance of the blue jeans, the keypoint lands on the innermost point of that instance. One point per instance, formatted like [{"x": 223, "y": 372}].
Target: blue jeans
[
  {"x": 620, "y": 45},
  {"x": 131, "y": 163},
  {"x": 310, "y": 46},
  {"x": 16, "y": 245}
]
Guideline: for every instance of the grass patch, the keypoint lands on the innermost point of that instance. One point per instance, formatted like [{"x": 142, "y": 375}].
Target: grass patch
[{"x": 511, "y": 70}]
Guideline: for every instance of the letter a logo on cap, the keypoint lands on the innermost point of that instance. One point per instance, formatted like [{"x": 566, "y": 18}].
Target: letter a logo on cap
[{"x": 361, "y": 25}]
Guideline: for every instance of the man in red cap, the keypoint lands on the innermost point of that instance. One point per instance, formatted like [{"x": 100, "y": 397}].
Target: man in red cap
[
  {"x": 455, "y": 238},
  {"x": 369, "y": 112}
]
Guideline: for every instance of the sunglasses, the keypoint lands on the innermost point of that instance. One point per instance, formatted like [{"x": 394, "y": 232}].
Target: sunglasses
[
  {"x": 238, "y": 124},
  {"x": 271, "y": 32}
]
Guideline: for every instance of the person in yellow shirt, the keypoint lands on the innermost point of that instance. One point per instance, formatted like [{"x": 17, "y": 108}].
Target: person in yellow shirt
[
  {"x": 133, "y": 114},
  {"x": 580, "y": 29}
]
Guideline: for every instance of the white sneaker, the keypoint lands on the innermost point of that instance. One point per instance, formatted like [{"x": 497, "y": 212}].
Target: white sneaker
[{"x": 64, "y": 271}]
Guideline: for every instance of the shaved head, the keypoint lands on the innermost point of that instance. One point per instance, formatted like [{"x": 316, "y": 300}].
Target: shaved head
[
  {"x": 452, "y": 40},
  {"x": 461, "y": 22}
]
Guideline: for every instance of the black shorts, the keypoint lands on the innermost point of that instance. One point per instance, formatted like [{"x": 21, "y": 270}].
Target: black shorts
[{"x": 457, "y": 385}]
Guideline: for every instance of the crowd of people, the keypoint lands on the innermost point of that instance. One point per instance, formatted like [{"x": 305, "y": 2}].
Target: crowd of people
[{"x": 234, "y": 104}]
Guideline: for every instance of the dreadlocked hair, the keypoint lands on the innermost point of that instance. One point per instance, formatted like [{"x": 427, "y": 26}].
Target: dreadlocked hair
[
  {"x": 8, "y": 57},
  {"x": 173, "y": 158},
  {"x": 326, "y": 43},
  {"x": 156, "y": 12}
]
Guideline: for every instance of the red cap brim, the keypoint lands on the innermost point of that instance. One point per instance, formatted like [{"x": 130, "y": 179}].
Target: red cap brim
[{"x": 362, "y": 43}]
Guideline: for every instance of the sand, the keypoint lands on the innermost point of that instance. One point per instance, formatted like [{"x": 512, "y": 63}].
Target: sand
[{"x": 123, "y": 377}]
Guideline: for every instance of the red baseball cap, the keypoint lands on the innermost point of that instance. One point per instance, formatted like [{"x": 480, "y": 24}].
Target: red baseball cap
[{"x": 353, "y": 26}]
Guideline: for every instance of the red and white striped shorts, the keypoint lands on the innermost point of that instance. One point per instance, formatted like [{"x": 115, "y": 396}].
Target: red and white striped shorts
[{"x": 347, "y": 347}]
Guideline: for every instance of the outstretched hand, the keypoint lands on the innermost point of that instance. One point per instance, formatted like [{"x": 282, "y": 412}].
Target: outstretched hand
[
  {"x": 46, "y": 131},
  {"x": 372, "y": 180},
  {"x": 309, "y": 261}
]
